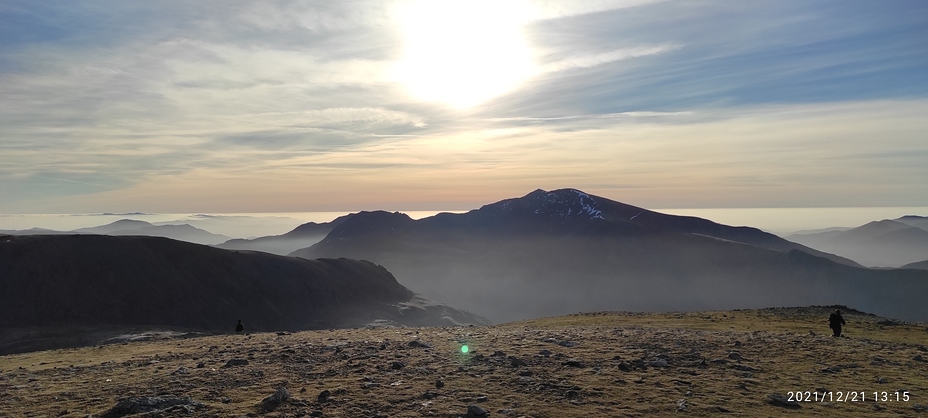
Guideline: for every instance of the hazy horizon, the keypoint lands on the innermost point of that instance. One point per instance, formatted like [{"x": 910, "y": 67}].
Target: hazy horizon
[
  {"x": 241, "y": 107},
  {"x": 781, "y": 221}
]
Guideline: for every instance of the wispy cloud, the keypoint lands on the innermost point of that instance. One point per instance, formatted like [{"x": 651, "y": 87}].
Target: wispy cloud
[
  {"x": 280, "y": 106},
  {"x": 606, "y": 57}
]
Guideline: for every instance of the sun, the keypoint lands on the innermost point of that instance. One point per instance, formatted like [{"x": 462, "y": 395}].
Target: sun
[{"x": 463, "y": 53}]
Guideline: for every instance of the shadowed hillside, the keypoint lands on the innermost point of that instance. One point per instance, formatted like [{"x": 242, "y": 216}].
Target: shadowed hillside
[
  {"x": 886, "y": 243},
  {"x": 300, "y": 237},
  {"x": 90, "y": 280},
  {"x": 551, "y": 253}
]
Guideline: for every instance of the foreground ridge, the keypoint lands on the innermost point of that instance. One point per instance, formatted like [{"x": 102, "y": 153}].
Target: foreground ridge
[{"x": 603, "y": 364}]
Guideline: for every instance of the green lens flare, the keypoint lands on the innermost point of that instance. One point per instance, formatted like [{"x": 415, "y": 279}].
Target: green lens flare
[{"x": 464, "y": 348}]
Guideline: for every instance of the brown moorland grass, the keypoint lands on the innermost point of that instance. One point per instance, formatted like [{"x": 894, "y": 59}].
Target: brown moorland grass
[{"x": 613, "y": 364}]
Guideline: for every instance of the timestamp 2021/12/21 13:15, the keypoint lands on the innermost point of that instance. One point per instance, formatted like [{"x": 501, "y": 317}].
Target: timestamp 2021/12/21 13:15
[{"x": 849, "y": 396}]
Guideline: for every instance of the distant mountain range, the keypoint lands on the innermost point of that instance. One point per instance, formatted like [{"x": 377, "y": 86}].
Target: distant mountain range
[
  {"x": 886, "y": 243},
  {"x": 564, "y": 251},
  {"x": 183, "y": 232},
  {"x": 90, "y": 281},
  {"x": 301, "y": 237}
]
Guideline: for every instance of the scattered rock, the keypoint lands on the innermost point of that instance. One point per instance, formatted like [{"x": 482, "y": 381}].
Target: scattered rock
[
  {"x": 439, "y": 384},
  {"x": 517, "y": 362},
  {"x": 545, "y": 353},
  {"x": 474, "y": 411},
  {"x": 323, "y": 396},
  {"x": 315, "y": 413},
  {"x": 744, "y": 368},
  {"x": 526, "y": 373},
  {"x": 918, "y": 357},
  {"x": 780, "y": 400},
  {"x": 498, "y": 353},
  {"x": 396, "y": 365},
  {"x": 681, "y": 405},
  {"x": 182, "y": 370},
  {"x": 150, "y": 404},
  {"x": 235, "y": 362},
  {"x": 271, "y": 403},
  {"x": 880, "y": 379},
  {"x": 734, "y": 355},
  {"x": 420, "y": 344},
  {"x": 920, "y": 408},
  {"x": 201, "y": 365},
  {"x": 658, "y": 363},
  {"x": 429, "y": 395},
  {"x": 225, "y": 400},
  {"x": 573, "y": 363},
  {"x": 482, "y": 398},
  {"x": 722, "y": 409}
]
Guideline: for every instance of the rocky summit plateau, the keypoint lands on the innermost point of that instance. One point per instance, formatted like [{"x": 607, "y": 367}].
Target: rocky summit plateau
[{"x": 744, "y": 363}]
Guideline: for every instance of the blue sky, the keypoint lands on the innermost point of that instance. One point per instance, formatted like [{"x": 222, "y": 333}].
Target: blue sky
[{"x": 235, "y": 106}]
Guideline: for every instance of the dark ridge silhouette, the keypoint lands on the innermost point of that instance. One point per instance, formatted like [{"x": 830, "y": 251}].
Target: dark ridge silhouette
[
  {"x": 923, "y": 265},
  {"x": 103, "y": 281},
  {"x": 300, "y": 237},
  {"x": 552, "y": 253},
  {"x": 120, "y": 225},
  {"x": 182, "y": 232}
]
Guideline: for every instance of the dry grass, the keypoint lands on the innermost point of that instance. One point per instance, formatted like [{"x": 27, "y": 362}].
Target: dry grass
[{"x": 779, "y": 354}]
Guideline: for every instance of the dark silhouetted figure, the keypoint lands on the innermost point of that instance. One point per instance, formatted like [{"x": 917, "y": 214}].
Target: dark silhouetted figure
[
  {"x": 239, "y": 328},
  {"x": 835, "y": 321}
]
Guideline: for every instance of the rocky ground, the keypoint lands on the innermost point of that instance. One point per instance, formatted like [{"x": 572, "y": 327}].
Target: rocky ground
[{"x": 733, "y": 363}]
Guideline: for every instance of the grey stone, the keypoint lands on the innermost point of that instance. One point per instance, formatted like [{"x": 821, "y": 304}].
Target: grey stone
[
  {"x": 574, "y": 363},
  {"x": 420, "y": 344},
  {"x": 474, "y": 411},
  {"x": 658, "y": 363},
  {"x": 271, "y": 403},
  {"x": 150, "y": 404},
  {"x": 782, "y": 401},
  {"x": 235, "y": 362}
]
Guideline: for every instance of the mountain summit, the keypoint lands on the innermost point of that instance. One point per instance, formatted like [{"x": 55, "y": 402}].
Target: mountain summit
[{"x": 562, "y": 251}]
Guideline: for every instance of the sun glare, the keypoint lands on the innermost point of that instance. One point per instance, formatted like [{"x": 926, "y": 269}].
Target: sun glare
[{"x": 463, "y": 53}]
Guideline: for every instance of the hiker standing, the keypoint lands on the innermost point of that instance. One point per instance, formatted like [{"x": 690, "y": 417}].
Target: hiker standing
[
  {"x": 239, "y": 328},
  {"x": 835, "y": 321}
]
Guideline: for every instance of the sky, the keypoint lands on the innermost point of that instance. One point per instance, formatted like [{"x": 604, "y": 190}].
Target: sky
[{"x": 296, "y": 106}]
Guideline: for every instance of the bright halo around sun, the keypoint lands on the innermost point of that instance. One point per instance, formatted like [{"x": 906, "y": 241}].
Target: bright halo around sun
[{"x": 463, "y": 53}]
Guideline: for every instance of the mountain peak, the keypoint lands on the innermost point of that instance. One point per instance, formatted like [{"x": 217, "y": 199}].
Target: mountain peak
[{"x": 562, "y": 203}]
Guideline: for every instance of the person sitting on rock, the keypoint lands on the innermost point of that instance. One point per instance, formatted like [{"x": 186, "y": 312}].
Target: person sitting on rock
[
  {"x": 239, "y": 328},
  {"x": 835, "y": 321}
]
